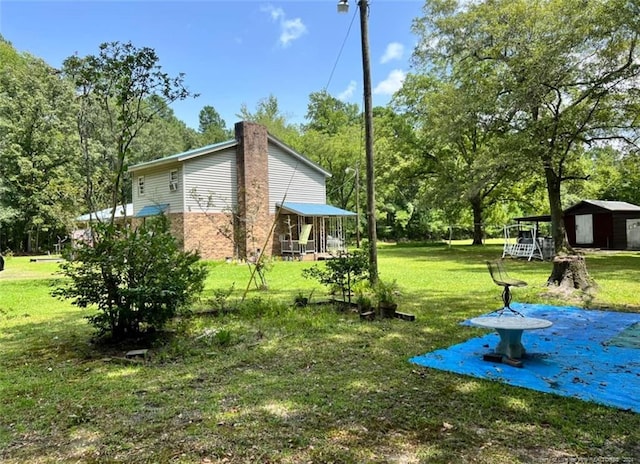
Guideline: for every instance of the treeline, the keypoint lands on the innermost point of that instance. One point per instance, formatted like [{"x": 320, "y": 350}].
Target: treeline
[
  {"x": 508, "y": 110},
  {"x": 67, "y": 136}
]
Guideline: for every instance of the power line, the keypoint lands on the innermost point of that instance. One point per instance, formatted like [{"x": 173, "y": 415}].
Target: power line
[{"x": 326, "y": 87}]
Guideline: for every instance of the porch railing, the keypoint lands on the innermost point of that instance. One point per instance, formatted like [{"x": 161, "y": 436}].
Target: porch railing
[{"x": 294, "y": 247}]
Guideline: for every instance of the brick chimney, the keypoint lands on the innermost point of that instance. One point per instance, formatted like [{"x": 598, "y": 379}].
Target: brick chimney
[{"x": 252, "y": 161}]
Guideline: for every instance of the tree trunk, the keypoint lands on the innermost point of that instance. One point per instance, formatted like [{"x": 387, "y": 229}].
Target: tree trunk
[
  {"x": 569, "y": 270},
  {"x": 476, "y": 207},
  {"x": 558, "y": 231}
]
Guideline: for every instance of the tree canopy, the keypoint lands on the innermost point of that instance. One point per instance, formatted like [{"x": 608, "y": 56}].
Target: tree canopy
[
  {"x": 116, "y": 84},
  {"x": 508, "y": 103},
  {"x": 212, "y": 127},
  {"x": 562, "y": 73},
  {"x": 269, "y": 114},
  {"x": 38, "y": 182}
]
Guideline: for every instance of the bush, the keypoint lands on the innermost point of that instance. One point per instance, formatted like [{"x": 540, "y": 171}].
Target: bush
[
  {"x": 137, "y": 278},
  {"x": 386, "y": 291},
  {"x": 220, "y": 300},
  {"x": 341, "y": 273}
]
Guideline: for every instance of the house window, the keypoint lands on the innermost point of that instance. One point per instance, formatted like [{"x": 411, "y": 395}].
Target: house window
[
  {"x": 173, "y": 180},
  {"x": 141, "y": 186}
]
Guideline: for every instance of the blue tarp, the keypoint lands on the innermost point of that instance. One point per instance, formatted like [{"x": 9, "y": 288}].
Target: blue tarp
[{"x": 578, "y": 356}]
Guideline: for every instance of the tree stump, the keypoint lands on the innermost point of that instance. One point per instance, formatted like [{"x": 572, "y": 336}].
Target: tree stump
[{"x": 570, "y": 272}]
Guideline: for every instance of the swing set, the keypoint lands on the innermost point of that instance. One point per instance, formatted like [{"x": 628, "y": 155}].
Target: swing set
[{"x": 521, "y": 241}]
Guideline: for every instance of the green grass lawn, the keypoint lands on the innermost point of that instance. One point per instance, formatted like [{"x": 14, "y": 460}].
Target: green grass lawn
[{"x": 274, "y": 383}]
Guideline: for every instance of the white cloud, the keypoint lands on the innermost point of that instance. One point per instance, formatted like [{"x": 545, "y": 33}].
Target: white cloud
[
  {"x": 347, "y": 93},
  {"x": 290, "y": 29},
  {"x": 394, "y": 51},
  {"x": 275, "y": 13},
  {"x": 391, "y": 84}
]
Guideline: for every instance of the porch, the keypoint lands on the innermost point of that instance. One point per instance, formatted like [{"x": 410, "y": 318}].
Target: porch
[{"x": 311, "y": 231}]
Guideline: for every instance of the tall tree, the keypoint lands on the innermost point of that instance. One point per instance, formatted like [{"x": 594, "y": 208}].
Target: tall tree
[
  {"x": 400, "y": 169},
  {"x": 9, "y": 57},
  {"x": 213, "y": 128},
  {"x": 340, "y": 154},
  {"x": 38, "y": 183},
  {"x": 567, "y": 70},
  {"x": 464, "y": 135},
  {"x": 617, "y": 175},
  {"x": 332, "y": 137},
  {"x": 164, "y": 135},
  {"x": 327, "y": 114},
  {"x": 118, "y": 81},
  {"x": 268, "y": 114}
]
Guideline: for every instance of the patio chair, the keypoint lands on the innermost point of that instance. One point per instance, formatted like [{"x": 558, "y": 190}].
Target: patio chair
[{"x": 501, "y": 278}]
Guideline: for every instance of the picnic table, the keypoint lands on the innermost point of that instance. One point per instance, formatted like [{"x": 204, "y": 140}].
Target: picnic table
[{"x": 510, "y": 329}]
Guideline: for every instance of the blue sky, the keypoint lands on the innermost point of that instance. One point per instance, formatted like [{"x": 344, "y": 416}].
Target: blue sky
[{"x": 232, "y": 52}]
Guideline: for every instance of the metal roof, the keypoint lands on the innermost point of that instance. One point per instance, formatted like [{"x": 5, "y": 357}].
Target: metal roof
[
  {"x": 612, "y": 205},
  {"x": 314, "y": 209},
  {"x": 152, "y": 210},
  {"x": 221, "y": 146},
  {"x": 105, "y": 214},
  {"x": 543, "y": 218},
  {"x": 618, "y": 206}
]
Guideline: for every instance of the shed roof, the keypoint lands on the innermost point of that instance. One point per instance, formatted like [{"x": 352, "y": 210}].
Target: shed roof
[
  {"x": 542, "y": 218},
  {"x": 614, "y": 206},
  {"x": 314, "y": 209}
]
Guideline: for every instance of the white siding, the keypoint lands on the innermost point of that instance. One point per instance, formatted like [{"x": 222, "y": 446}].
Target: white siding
[
  {"x": 156, "y": 189},
  {"x": 211, "y": 177},
  {"x": 305, "y": 184}
]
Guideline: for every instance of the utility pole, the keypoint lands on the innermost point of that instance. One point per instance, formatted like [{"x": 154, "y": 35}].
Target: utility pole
[
  {"x": 372, "y": 236},
  {"x": 357, "y": 207},
  {"x": 356, "y": 172}
]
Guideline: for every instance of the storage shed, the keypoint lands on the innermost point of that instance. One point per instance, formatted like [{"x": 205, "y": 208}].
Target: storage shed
[{"x": 614, "y": 225}]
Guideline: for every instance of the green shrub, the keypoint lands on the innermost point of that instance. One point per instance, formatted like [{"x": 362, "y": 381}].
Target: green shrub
[
  {"x": 386, "y": 291},
  {"x": 223, "y": 337},
  {"x": 138, "y": 278},
  {"x": 220, "y": 300},
  {"x": 341, "y": 273}
]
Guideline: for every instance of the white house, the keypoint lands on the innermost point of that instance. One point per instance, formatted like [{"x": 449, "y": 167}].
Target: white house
[{"x": 236, "y": 197}]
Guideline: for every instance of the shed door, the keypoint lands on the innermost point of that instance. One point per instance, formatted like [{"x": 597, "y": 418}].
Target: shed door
[
  {"x": 584, "y": 229},
  {"x": 633, "y": 234}
]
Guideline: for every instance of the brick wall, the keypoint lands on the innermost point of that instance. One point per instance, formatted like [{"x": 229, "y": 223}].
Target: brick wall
[
  {"x": 205, "y": 233},
  {"x": 176, "y": 226}
]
